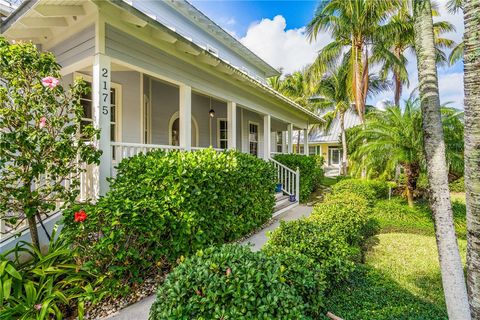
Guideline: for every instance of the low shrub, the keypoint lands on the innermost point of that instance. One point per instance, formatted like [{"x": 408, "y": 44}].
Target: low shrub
[
  {"x": 311, "y": 171},
  {"x": 371, "y": 190},
  {"x": 348, "y": 215},
  {"x": 164, "y": 205},
  {"x": 326, "y": 247},
  {"x": 304, "y": 274},
  {"x": 458, "y": 185},
  {"x": 229, "y": 282},
  {"x": 44, "y": 286}
]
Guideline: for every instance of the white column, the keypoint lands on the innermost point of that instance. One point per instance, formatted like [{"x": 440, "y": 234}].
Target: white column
[
  {"x": 232, "y": 125},
  {"x": 101, "y": 106},
  {"x": 185, "y": 117},
  {"x": 266, "y": 137},
  {"x": 290, "y": 138},
  {"x": 284, "y": 142},
  {"x": 305, "y": 141}
]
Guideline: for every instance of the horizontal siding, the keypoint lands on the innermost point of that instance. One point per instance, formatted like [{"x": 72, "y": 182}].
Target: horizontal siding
[{"x": 76, "y": 48}]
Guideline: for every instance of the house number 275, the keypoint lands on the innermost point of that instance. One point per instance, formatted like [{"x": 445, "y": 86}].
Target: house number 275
[{"x": 105, "y": 93}]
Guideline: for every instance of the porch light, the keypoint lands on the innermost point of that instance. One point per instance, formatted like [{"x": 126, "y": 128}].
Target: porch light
[{"x": 211, "y": 113}]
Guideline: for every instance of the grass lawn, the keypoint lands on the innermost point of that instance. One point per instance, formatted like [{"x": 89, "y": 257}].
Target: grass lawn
[{"x": 400, "y": 278}]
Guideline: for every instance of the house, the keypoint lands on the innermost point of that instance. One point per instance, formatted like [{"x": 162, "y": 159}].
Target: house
[
  {"x": 163, "y": 76},
  {"x": 327, "y": 143}
]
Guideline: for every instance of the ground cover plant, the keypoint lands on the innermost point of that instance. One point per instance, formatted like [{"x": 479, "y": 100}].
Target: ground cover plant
[{"x": 162, "y": 206}]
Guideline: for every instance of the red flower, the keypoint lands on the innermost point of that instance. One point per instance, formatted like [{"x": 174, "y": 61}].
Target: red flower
[{"x": 80, "y": 216}]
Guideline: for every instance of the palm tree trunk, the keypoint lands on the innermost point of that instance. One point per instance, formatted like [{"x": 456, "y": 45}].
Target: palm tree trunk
[
  {"x": 449, "y": 257},
  {"x": 472, "y": 154},
  {"x": 344, "y": 144},
  {"x": 397, "y": 80},
  {"x": 412, "y": 171},
  {"x": 358, "y": 83}
]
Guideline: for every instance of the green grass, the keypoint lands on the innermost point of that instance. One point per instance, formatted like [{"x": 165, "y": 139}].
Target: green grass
[
  {"x": 327, "y": 181},
  {"x": 400, "y": 278}
]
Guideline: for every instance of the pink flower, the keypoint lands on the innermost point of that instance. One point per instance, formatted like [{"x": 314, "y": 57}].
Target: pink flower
[
  {"x": 38, "y": 307},
  {"x": 43, "y": 122},
  {"x": 50, "y": 82}
]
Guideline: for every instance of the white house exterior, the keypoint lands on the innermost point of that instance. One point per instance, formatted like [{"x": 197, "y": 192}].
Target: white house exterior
[{"x": 163, "y": 75}]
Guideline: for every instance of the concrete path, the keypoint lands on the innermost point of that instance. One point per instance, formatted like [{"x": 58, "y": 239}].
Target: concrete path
[{"x": 141, "y": 309}]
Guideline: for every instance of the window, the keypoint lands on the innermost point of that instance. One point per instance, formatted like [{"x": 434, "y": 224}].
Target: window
[
  {"x": 279, "y": 141},
  {"x": 87, "y": 104},
  {"x": 334, "y": 155},
  {"x": 253, "y": 138},
  {"x": 222, "y": 133},
  {"x": 312, "y": 150}
]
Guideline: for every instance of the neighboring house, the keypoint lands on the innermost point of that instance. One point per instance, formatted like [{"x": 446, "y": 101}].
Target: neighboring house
[
  {"x": 164, "y": 76},
  {"x": 7, "y": 7},
  {"x": 327, "y": 143}
]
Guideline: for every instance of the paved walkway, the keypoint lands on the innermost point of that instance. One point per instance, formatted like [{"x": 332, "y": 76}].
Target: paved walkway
[{"x": 141, "y": 309}]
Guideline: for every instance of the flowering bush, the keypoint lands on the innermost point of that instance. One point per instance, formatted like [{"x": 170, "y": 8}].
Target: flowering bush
[
  {"x": 40, "y": 145},
  {"x": 165, "y": 205}
]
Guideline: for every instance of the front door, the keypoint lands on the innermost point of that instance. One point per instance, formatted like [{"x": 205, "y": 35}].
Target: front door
[{"x": 334, "y": 156}]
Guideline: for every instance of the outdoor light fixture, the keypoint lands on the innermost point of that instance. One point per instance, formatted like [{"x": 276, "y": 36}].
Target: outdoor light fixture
[{"x": 211, "y": 112}]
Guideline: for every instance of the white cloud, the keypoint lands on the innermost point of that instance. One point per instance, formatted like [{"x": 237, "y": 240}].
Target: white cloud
[{"x": 281, "y": 48}]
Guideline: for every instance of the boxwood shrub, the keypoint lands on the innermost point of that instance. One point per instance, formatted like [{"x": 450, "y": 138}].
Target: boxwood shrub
[
  {"x": 311, "y": 171},
  {"x": 348, "y": 215},
  {"x": 371, "y": 190},
  {"x": 229, "y": 282},
  {"x": 165, "y": 205}
]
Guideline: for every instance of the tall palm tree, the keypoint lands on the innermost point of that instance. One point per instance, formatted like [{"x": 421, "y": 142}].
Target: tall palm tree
[
  {"x": 472, "y": 155},
  {"x": 355, "y": 26},
  {"x": 336, "y": 97},
  {"x": 449, "y": 257}
]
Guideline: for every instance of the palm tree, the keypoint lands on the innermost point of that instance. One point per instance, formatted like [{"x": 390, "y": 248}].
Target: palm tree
[
  {"x": 395, "y": 137},
  {"x": 335, "y": 96},
  {"x": 355, "y": 26},
  {"x": 450, "y": 263},
  {"x": 472, "y": 156},
  {"x": 455, "y": 6}
]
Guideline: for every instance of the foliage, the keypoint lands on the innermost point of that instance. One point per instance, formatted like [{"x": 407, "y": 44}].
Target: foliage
[
  {"x": 326, "y": 247},
  {"x": 371, "y": 190},
  {"x": 348, "y": 215},
  {"x": 458, "y": 185},
  {"x": 229, "y": 282},
  {"x": 47, "y": 285},
  {"x": 40, "y": 141},
  {"x": 164, "y": 205},
  {"x": 311, "y": 171}
]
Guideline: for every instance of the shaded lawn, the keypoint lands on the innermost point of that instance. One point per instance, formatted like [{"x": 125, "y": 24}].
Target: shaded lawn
[{"x": 401, "y": 277}]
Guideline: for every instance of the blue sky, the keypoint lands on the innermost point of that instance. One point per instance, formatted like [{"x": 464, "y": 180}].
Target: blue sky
[{"x": 275, "y": 31}]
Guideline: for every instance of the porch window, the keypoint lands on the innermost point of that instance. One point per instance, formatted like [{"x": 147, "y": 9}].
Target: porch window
[
  {"x": 334, "y": 156},
  {"x": 222, "y": 133},
  {"x": 312, "y": 150},
  {"x": 279, "y": 141},
  {"x": 87, "y": 104},
  {"x": 253, "y": 138}
]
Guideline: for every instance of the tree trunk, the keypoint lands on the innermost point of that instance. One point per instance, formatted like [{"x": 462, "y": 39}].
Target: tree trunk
[
  {"x": 344, "y": 144},
  {"x": 396, "y": 79},
  {"x": 32, "y": 226},
  {"x": 449, "y": 257},
  {"x": 358, "y": 83},
  {"x": 412, "y": 171},
  {"x": 472, "y": 150}
]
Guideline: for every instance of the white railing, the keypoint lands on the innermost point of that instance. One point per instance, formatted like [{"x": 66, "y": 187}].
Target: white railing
[
  {"x": 124, "y": 150},
  {"x": 288, "y": 178},
  {"x": 201, "y": 148}
]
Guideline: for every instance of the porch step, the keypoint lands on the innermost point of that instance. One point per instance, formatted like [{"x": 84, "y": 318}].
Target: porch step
[
  {"x": 282, "y": 203},
  {"x": 280, "y": 197}
]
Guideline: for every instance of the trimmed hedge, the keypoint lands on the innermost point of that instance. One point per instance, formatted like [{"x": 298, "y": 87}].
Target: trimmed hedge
[
  {"x": 371, "y": 190},
  {"x": 165, "y": 205},
  {"x": 348, "y": 215},
  {"x": 229, "y": 282},
  {"x": 311, "y": 171}
]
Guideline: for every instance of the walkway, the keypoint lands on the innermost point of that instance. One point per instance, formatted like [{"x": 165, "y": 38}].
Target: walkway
[{"x": 141, "y": 309}]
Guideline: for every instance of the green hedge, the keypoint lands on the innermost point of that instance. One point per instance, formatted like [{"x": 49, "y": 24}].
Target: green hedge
[
  {"x": 162, "y": 206},
  {"x": 311, "y": 171},
  {"x": 229, "y": 282},
  {"x": 371, "y": 190},
  {"x": 348, "y": 215}
]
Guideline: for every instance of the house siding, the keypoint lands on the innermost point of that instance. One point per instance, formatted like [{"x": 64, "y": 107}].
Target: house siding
[{"x": 75, "y": 48}]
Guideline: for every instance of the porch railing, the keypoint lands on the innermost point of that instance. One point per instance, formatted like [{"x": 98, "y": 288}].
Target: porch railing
[{"x": 288, "y": 178}]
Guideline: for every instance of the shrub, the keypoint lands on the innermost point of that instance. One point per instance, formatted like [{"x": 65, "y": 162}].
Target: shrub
[
  {"x": 311, "y": 171},
  {"x": 458, "y": 185},
  {"x": 348, "y": 215},
  {"x": 229, "y": 282},
  {"x": 162, "y": 206},
  {"x": 369, "y": 189},
  {"x": 326, "y": 247},
  {"x": 46, "y": 286},
  {"x": 304, "y": 274}
]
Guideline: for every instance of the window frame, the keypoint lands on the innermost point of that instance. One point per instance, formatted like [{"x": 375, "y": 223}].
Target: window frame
[
  {"x": 219, "y": 139},
  {"x": 257, "y": 141}
]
